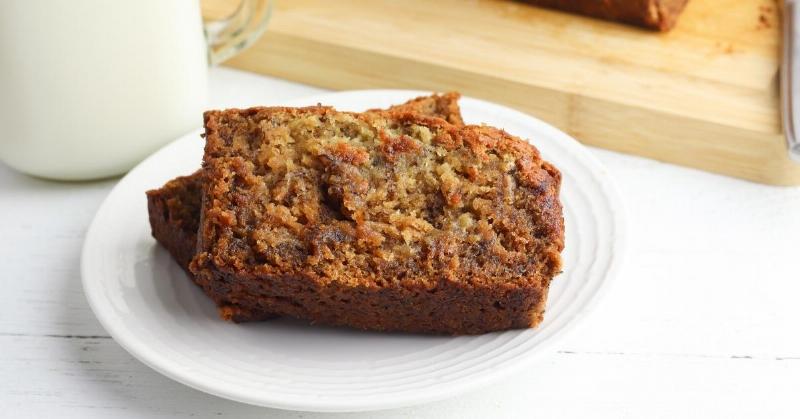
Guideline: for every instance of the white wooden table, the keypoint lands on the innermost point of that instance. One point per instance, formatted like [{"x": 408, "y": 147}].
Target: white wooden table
[{"x": 703, "y": 321}]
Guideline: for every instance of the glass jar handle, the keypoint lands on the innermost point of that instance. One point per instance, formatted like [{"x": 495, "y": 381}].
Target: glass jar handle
[{"x": 228, "y": 36}]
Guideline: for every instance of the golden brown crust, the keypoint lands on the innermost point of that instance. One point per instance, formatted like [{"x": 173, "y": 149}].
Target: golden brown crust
[
  {"x": 384, "y": 220},
  {"x": 450, "y": 307},
  {"x": 443, "y": 106}
]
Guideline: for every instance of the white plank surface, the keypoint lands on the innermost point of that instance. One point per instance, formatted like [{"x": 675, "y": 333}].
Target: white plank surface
[{"x": 701, "y": 323}]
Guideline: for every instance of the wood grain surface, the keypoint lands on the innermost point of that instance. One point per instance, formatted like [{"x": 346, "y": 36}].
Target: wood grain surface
[{"x": 703, "y": 95}]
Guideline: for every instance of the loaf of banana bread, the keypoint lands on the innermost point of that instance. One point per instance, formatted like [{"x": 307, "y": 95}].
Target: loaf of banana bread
[
  {"x": 654, "y": 14},
  {"x": 381, "y": 221}
]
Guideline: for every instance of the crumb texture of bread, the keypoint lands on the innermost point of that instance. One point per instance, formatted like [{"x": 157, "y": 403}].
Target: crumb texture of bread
[
  {"x": 654, "y": 14},
  {"x": 381, "y": 220},
  {"x": 174, "y": 209}
]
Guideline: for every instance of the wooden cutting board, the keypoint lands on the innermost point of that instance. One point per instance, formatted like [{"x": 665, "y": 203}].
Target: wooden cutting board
[{"x": 704, "y": 95}]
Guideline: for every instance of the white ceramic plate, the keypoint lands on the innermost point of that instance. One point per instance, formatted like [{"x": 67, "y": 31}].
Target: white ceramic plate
[{"x": 145, "y": 301}]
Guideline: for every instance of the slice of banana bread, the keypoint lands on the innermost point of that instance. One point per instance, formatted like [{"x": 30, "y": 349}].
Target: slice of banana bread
[
  {"x": 381, "y": 221},
  {"x": 174, "y": 209}
]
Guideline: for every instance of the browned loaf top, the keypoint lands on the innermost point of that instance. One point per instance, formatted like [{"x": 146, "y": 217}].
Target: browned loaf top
[
  {"x": 654, "y": 14},
  {"x": 386, "y": 221}
]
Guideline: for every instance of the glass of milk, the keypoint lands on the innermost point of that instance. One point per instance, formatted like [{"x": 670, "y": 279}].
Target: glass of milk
[{"x": 88, "y": 88}]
